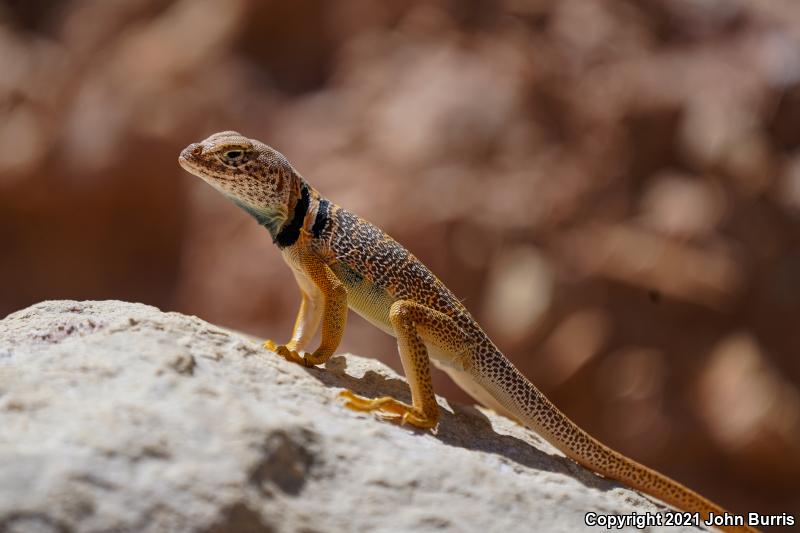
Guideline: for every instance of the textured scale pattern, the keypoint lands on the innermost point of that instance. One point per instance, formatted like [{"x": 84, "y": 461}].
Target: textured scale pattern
[
  {"x": 367, "y": 250},
  {"x": 341, "y": 260}
]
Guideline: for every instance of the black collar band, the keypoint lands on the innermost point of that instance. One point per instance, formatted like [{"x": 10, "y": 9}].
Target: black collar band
[
  {"x": 322, "y": 218},
  {"x": 289, "y": 233}
]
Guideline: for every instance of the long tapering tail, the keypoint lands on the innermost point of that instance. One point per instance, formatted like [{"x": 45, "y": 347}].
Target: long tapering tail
[{"x": 517, "y": 395}]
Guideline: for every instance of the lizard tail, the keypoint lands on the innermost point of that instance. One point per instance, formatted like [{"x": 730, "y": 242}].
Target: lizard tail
[{"x": 524, "y": 401}]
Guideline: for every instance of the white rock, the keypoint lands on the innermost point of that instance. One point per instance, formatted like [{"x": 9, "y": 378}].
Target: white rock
[{"x": 118, "y": 417}]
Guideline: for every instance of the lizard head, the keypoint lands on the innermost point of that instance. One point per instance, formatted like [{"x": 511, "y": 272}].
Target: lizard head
[{"x": 253, "y": 175}]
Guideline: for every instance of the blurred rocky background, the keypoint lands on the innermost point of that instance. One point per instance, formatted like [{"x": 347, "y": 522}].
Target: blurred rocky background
[{"x": 613, "y": 188}]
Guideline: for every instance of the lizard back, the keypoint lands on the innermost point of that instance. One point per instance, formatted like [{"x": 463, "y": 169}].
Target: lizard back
[{"x": 377, "y": 271}]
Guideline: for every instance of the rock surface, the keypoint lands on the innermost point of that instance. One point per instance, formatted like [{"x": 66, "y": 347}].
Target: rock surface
[{"x": 119, "y": 417}]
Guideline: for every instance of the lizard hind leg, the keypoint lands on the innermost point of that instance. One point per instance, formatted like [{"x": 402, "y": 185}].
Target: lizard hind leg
[{"x": 414, "y": 325}]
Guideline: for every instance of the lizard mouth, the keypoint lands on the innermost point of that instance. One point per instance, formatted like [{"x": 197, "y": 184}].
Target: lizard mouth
[
  {"x": 192, "y": 163},
  {"x": 185, "y": 159},
  {"x": 186, "y": 164}
]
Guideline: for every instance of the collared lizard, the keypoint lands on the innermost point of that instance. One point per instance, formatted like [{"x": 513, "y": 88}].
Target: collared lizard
[{"x": 340, "y": 260}]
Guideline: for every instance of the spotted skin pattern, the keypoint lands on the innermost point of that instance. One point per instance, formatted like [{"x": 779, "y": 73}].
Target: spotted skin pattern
[{"x": 340, "y": 260}]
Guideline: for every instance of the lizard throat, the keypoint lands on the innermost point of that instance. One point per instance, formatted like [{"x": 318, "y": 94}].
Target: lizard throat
[{"x": 290, "y": 232}]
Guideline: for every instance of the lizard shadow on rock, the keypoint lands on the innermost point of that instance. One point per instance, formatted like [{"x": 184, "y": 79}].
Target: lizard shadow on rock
[{"x": 465, "y": 427}]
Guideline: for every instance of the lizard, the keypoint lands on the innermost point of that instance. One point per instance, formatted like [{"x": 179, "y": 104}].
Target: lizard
[{"x": 341, "y": 261}]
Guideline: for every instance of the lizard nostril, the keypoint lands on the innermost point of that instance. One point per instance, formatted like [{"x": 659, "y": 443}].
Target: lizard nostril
[{"x": 197, "y": 150}]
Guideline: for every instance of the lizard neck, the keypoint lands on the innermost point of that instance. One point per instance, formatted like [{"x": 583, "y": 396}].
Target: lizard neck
[
  {"x": 290, "y": 231},
  {"x": 309, "y": 216},
  {"x": 270, "y": 218},
  {"x": 318, "y": 215},
  {"x": 305, "y": 211}
]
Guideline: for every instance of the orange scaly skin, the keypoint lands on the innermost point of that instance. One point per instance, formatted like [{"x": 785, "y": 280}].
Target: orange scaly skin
[{"x": 340, "y": 260}]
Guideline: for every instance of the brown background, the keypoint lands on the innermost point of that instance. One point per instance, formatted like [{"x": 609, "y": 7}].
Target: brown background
[{"x": 613, "y": 187}]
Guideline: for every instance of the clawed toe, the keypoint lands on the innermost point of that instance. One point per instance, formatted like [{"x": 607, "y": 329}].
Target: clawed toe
[
  {"x": 359, "y": 403},
  {"x": 290, "y": 355},
  {"x": 387, "y": 408},
  {"x": 270, "y": 345}
]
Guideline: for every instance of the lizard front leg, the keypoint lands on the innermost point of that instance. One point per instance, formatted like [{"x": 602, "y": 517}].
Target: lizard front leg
[
  {"x": 308, "y": 316},
  {"x": 332, "y": 313},
  {"x": 414, "y": 325}
]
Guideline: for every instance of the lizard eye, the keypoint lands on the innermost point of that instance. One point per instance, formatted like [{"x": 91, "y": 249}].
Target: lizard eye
[{"x": 233, "y": 157}]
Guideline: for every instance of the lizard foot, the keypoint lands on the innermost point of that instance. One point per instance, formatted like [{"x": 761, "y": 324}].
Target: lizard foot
[
  {"x": 287, "y": 353},
  {"x": 388, "y": 409}
]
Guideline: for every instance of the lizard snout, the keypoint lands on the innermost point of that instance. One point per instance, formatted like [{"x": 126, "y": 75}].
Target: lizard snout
[{"x": 191, "y": 152}]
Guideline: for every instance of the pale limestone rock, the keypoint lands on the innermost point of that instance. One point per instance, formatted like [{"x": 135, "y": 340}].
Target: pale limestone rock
[{"x": 119, "y": 417}]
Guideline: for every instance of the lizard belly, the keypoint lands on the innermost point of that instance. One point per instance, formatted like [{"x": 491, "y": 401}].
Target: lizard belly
[
  {"x": 373, "y": 303},
  {"x": 365, "y": 298},
  {"x": 468, "y": 384}
]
